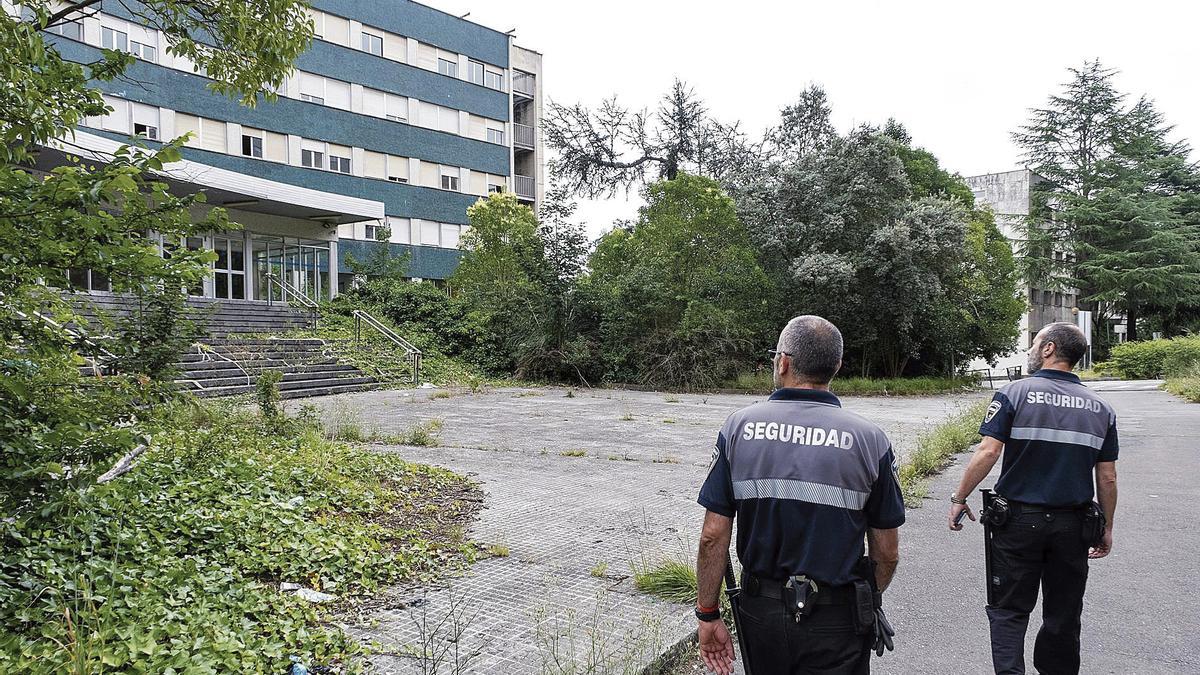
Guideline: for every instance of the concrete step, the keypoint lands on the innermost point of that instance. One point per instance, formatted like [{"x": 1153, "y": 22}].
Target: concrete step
[
  {"x": 250, "y": 357},
  {"x": 302, "y": 392},
  {"x": 201, "y": 371},
  {"x": 290, "y": 380}
]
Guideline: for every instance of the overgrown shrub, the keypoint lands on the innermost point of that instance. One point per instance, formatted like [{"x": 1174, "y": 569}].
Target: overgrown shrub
[
  {"x": 266, "y": 391},
  {"x": 175, "y": 566},
  {"x": 1152, "y": 359}
]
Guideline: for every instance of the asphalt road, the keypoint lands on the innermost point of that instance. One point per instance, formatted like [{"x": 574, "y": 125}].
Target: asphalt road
[{"x": 1142, "y": 612}]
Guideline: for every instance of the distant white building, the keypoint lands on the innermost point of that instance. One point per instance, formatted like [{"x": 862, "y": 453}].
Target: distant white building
[{"x": 1008, "y": 194}]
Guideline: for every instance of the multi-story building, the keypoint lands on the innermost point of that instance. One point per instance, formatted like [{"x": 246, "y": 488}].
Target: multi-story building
[
  {"x": 1009, "y": 194},
  {"x": 395, "y": 121}
]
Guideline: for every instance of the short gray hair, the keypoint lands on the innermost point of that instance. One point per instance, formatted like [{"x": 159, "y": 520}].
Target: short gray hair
[
  {"x": 1070, "y": 344},
  {"x": 815, "y": 346}
]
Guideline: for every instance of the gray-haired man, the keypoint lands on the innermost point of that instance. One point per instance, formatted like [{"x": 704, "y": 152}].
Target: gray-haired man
[{"x": 807, "y": 482}]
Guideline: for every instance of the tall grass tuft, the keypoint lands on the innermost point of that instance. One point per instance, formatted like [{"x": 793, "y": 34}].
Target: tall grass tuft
[
  {"x": 867, "y": 386},
  {"x": 671, "y": 580},
  {"x": 935, "y": 448}
]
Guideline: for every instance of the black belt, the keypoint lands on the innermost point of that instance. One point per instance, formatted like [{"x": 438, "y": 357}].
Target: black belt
[
  {"x": 1017, "y": 508},
  {"x": 774, "y": 589}
]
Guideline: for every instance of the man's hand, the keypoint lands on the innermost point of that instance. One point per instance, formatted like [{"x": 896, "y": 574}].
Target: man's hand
[
  {"x": 956, "y": 509},
  {"x": 1104, "y": 548},
  {"x": 716, "y": 647}
]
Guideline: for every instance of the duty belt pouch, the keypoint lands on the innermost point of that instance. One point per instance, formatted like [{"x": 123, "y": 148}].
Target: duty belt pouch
[
  {"x": 1094, "y": 523},
  {"x": 800, "y": 594},
  {"x": 864, "y": 607},
  {"x": 996, "y": 512}
]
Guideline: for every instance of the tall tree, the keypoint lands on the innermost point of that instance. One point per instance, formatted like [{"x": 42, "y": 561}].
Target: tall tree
[
  {"x": 614, "y": 148},
  {"x": 95, "y": 214},
  {"x": 681, "y": 297},
  {"x": 1111, "y": 221}
]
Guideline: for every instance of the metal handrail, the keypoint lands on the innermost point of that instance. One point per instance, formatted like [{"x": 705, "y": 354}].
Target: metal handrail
[
  {"x": 410, "y": 350},
  {"x": 288, "y": 289}
]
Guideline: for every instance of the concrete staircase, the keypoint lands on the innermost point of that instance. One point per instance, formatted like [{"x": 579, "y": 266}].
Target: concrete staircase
[
  {"x": 216, "y": 318},
  {"x": 225, "y": 364},
  {"x": 229, "y": 366}
]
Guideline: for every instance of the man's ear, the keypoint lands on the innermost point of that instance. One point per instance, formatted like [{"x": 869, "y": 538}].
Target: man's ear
[
  {"x": 785, "y": 365},
  {"x": 1049, "y": 350}
]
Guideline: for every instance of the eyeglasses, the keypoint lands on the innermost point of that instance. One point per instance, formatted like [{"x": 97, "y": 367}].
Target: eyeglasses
[{"x": 775, "y": 352}]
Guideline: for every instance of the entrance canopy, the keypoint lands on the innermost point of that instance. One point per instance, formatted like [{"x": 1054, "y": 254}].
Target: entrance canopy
[{"x": 245, "y": 192}]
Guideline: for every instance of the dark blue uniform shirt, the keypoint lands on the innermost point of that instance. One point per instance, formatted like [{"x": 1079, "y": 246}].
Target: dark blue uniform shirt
[
  {"x": 805, "y": 480},
  {"x": 1054, "y": 430}
]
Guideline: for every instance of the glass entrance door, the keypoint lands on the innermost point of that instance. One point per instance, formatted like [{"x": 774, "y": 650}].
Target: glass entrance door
[
  {"x": 229, "y": 269},
  {"x": 303, "y": 264}
]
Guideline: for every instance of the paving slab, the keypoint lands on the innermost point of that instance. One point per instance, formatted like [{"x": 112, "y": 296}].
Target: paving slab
[{"x": 582, "y": 486}]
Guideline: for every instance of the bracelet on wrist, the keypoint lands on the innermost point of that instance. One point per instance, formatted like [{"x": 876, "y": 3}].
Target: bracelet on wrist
[
  {"x": 955, "y": 499},
  {"x": 708, "y": 613}
]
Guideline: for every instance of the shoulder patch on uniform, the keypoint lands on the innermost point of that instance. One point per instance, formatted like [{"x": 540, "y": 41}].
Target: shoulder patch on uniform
[
  {"x": 992, "y": 409},
  {"x": 713, "y": 460}
]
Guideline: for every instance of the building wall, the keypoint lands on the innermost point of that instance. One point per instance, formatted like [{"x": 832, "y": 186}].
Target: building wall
[
  {"x": 1008, "y": 194},
  {"x": 430, "y": 62}
]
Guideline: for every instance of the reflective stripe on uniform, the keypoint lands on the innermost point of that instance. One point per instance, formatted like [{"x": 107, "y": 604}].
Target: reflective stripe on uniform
[
  {"x": 1057, "y": 436},
  {"x": 799, "y": 490}
]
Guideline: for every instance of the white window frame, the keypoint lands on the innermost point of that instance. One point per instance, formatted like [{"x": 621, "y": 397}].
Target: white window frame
[
  {"x": 317, "y": 161},
  {"x": 254, "y": 136},
  {"x": 474, "y": 67},
  {"x": 451, "y": 68},
  {"x": 139, "y": 50},
  {"x": 59, "y": 29},
  {"x": 149, "y": 132},
  {"x": 495, "y": 136},
  {"x": 114, "y": 32},
  {"x": 450, "y": 179},
  {"x": 499, "y": 81},
  {"x": 337, "y": 161},
  {"x": 369, "y": 39}
]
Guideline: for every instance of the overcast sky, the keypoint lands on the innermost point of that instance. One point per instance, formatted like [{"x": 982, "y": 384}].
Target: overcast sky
[{"x": 959, "y": 75}]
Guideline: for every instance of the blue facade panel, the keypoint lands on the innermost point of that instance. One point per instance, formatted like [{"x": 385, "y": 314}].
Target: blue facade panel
[
  {"x": 376, "y": 72},
  {"x": 160, "y": 86},
  {"x": 406, "y": 201},
  {"x": 426, "y": 262},
  {"x": 412, "y": 19}
]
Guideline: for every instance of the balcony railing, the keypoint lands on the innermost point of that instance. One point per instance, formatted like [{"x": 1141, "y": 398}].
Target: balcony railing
[
  {"x": 523, "y": 84},
  {"x": 526, "y": 187},
  {"x": 523, "y": 136}
]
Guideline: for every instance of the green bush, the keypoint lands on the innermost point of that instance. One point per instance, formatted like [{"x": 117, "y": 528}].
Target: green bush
[
  {"x": 1152, "y": 359},
  {"x": 935, "y": 448},
  {"x": 174, "y": 567},
  {"x": 869, "y": 386}
]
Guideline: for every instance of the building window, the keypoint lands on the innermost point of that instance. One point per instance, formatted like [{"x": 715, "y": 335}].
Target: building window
[
  {"x": 312, "y": 99},
  {"x": 312, "y": 159},
  {"x": 252, "y": 146},
  {"x": 449, "y": 182},
  {"x": 373, "y": 230},
  {"x": 493, "y": 81},
  {"x": 398, "y": 179},
  {"x": 111, "y": 38},
  {"x": 495, "y": 187},
  {"x": 475, "y": 72},
  {"x": 495, "y": 136},
  {"x": 447, "y": 67},
  {"x": 67, "y": 29},
  {"x": 145, "y": 131},
  {"x": 142, "y": 51},
  {"x": 339, "y": 164},
  {"x": 372, "y": 44}
]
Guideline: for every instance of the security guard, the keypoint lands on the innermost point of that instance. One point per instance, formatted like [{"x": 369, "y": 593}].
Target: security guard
[
  {"x": 806, "y": 481},
  {"x": 1054, "y": 434}
]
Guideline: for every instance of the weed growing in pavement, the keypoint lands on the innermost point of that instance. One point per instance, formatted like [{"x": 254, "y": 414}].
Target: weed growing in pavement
[
  {"x": 668, "y": 421},
  {"x": 671, "y": 580},
  {"x": 440, "y": 394},
  {"x": 573, "y": 453},
  {"x": 665, "y": 460},
  {"x": 421, "y": 434},
  {"x": 441, "y": 647},
  {"x": 600, "y": 569},
  {"x": 627, "y": 417},
  {"x": 498, "y": 550},
  {"x": 571, "y": 643},
  {"x": 570, "y": 393},
  {"x": 935, "y": 448},
  {"x": 671, "y": 398}
]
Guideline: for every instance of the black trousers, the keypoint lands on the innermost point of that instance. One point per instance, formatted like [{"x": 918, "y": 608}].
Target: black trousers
[
  {"x": 1035, "y": 548},
  {"x": 823, "y": 643}
]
